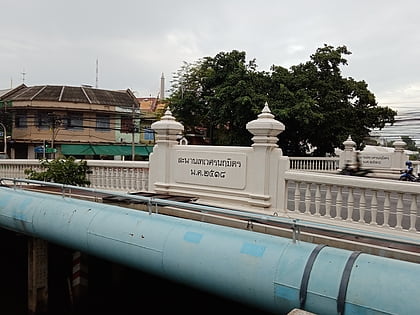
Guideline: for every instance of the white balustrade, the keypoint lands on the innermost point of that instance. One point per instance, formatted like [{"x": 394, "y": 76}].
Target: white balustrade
[
  {"x": 105, "y": 174},
  {"x": 319, "y": 164},
  {"x": 119, "y": 175},
  {"x": 361, "y": 202},
  {"x": 15, "y": 168},
  {"x": 335, "y": 199}
]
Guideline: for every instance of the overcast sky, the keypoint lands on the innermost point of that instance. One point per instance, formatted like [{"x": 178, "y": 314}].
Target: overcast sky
[{"x": 58, "y": 42}]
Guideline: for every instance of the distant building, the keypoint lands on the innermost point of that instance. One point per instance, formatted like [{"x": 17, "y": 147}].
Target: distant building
[
  {"x": 80, "y": 121},
  {"x": 151, "y": 109}
]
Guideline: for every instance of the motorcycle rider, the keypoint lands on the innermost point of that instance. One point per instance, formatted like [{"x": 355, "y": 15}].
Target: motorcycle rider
[
  {"x": 407, "y": 174},
  {"x": 355, "y": 168},
  {"x": 409, "y": 169}
]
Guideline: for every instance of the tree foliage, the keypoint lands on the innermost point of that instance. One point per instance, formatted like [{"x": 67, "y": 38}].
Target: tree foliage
[
  {"x": 411, "y": 144},
  {"x": 61, "y": 170},
  {"x": 319, "y": 107},
  {"x": 220, "y": 94}
]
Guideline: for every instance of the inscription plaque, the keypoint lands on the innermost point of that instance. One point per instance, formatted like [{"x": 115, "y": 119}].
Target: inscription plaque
[{"x": 221, "y": 169}]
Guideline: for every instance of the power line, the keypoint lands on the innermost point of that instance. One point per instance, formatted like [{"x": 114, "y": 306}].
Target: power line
[{"x": 400, "y": 102}]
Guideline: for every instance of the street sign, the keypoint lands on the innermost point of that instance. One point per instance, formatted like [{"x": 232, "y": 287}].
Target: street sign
[
  {"x": 50, "y": 150},
  {"x": 40, "y": 149}
]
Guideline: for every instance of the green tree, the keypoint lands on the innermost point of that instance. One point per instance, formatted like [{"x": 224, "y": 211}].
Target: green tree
[
  {"x": 219, "y": 94},
  {"x": 411, "y": 144},
  {"x": 62, "y": 170},
  {"x": 319, "y": 107}
]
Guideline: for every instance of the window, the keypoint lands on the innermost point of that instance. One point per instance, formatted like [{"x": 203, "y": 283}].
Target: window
[
  {"x": 102, "y": 123},
  {"x": 126, "y": 125},
  {"x": 21, "y": 121},
  {"x": 75, "y": 122},
  {"x": 43, "y": 120},
  {"x": 149, "y": 134}
]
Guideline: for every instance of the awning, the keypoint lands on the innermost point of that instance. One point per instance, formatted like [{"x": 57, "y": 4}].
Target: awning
[{"x": 100, "y": 149}]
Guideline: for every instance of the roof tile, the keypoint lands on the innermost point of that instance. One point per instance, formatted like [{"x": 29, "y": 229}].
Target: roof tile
[{"x": 75, "y": 95}]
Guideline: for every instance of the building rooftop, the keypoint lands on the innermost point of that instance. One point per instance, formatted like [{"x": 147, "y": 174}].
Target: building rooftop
[
  {"x": 55, "y": 93},
  {"x": 150, "y": 104}
]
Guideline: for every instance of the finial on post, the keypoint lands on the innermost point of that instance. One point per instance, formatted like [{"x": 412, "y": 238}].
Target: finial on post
[
  {"x": 349, "y": 144},
  {"x": 265, "y": 128},
  {"x": 167, "y": 128},
  {"x": 399, "y": 145}
]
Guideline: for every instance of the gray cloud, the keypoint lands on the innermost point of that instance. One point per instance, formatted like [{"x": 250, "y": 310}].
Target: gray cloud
[{"x": 57, "y": 42}]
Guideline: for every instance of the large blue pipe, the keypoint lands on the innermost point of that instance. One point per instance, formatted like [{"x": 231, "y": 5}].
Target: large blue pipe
[{"x": 268, "y": 272}]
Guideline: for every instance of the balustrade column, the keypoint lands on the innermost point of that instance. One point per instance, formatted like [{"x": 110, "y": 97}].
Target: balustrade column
[
  {"x": 328, "y": 202},
  {"x": 308, "y": 198},
  {"x": 350, "y": 204},
  {"x": 142, "y": 177},
  {"x": 362, "y": 207},
  {"x": 374, "y": 208},
  {"x": 400, "y": 211},
  {"x": 338, "y": 203},
  {"x": 387, "y": 207},
  {"x": 413, "y": 213},
  {"x": 297, "y": 196},
  {"x": 317, "y": 200},
  {"x": 133, "y": 183},
  {"x": 101, "y": 176}
]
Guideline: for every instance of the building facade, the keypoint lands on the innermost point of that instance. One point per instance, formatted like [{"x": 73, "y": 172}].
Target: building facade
[{"x": 84, "y": 122}]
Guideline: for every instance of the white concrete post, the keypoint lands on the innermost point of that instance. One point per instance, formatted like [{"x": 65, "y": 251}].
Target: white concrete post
[
  {"x": 267, "y": 164},
  {"x": 399, "y": 156},
  {"x": 167, "y": 130},
  {"x": 347, "y": 156}
]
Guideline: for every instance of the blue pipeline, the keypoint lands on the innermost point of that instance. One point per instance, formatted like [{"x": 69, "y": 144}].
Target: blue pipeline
[{"x": 265, "y": 271}]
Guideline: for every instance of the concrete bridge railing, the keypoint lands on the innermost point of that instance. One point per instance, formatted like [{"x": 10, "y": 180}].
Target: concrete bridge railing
[
  {"x": 354, "y": 202},
  {"x": 335, "y": 199},
  {"x": 105, "y": 174},
  {"x": 256, "y": 179},
  {"x": 317, "y": 164}
]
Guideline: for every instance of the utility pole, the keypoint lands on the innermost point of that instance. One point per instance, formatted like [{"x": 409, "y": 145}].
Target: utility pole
[
  {"x": 134, "y": 107},
  {"x": 5, "y": 138},
  {"x": 133, "y": 148},
  {"x": 55, "y": 122}
]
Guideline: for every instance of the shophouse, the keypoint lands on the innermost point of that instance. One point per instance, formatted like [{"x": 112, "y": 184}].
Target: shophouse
[{"x": 84, "y": 122}]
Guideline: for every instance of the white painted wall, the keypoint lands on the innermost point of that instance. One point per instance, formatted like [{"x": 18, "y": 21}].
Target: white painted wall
[{"x": 247, "y": 178}]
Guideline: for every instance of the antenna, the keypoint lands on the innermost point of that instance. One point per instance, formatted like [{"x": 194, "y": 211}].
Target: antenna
[
  {"x": 96, "y": 84},
  {"x": 23, "y": 75}
]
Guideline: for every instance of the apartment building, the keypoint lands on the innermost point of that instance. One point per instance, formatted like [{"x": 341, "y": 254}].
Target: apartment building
[{"x": 84, "y": 122}]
